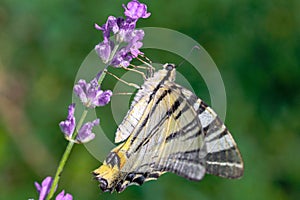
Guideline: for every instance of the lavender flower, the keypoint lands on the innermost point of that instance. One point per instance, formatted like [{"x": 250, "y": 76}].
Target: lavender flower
[
  {"x": 62, "y": 196},
  {"x": 122, "y": 58},
  {"x": 85, "y": 133},
  {"x": 104, "y": 98},
  {"x": 68, "y": 126},
  {"x": 118, "y": 52},
  {"x": 135, "y": 43},
  {"x": 110, "y": 25},
  {"x": 124, "y": 32},
  {"x": 90, "y": 94},
  {"x": 44, "y": 188},
  {"x": 136, "y": 10},
  {"x": 104, "y": 49}
]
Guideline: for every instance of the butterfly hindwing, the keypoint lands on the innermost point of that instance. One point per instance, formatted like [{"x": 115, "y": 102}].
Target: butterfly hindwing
[{"x": 223, "y": 157}]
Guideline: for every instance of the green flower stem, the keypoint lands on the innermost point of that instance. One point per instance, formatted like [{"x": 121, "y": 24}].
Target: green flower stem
[
  {"x": 102, "y": 76},
  {"x": 68, "y": 150},
  {"x": 65, "y": 157},
  {"x": 60, "y": 169}
]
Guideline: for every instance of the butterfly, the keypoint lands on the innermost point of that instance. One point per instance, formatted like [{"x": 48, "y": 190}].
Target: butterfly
[{"x": 168, "y": 129}]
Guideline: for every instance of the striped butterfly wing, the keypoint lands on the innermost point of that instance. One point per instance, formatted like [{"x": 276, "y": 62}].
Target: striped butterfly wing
[
  {"x": 171, "y": 140},
  {"x": 182, "y": 135},
  {"x": 183, "y": 149},
  {"x": 154, "y": 146},
  {"x": 223, "y": 157},
  {"x": 168, "y": 129}
]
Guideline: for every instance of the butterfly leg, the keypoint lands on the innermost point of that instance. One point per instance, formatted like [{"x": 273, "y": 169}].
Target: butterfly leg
[
  {"x": 134, "y": 70},
  {"x": 123, "y": 93},
  {"x": 148, "y": 62},
  {"x": 130, "y": 84}
]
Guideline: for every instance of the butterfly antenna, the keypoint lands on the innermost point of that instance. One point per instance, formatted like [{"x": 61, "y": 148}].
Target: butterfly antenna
[{"x": 189, "y": 54}]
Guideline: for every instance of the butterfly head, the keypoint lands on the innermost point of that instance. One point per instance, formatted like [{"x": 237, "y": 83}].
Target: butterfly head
[
  {"x": 168, "y": 72},
  {"x": 169, "y": 67}
]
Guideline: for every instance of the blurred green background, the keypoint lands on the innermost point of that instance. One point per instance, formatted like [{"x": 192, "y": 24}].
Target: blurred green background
[{"x": 255, "y": 44}]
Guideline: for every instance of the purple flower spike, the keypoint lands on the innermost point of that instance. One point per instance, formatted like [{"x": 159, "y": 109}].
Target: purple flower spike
[
  {"x": 122, "y": 58},
  {"x": 123, "y": 31},
  {"x": 85, "y": 133},
  {"x": 104, "y": 49},
  {"x": 98, "y": 27},
  {"x": 134, "y": 36},
  {"x": 104, "y": 98},
  {"x": 90, "y": 94},
  {"x": 44, "y": 188},
  {"x": 62, "y": 196},
  {"x": 136, "y": 10},
  {"x": 68, "y": 126},
  {"x": 110, "y": 25},
  {"x": 134, "y": 49}
]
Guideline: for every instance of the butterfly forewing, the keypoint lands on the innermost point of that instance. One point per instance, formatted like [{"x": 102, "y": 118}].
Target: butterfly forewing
[
  {"x": 163, "y": 139},
  {"x": 141, "y": 104},
  {"x": 179, "y": 155}
]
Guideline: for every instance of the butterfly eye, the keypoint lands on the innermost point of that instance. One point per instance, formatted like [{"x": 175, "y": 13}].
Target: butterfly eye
[{"x": 169, "y": 67}]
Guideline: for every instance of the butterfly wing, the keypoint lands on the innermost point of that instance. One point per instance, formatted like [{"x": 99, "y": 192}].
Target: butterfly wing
[
  {"x": 183, "y": 150},
  {"x": 223, "y": 157},
  {"x": 186, "y": 137},
  {"x": 171, "y": 139},
  {"x": 169, "y": 129},
  {"x": 139, "y": 107}
]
